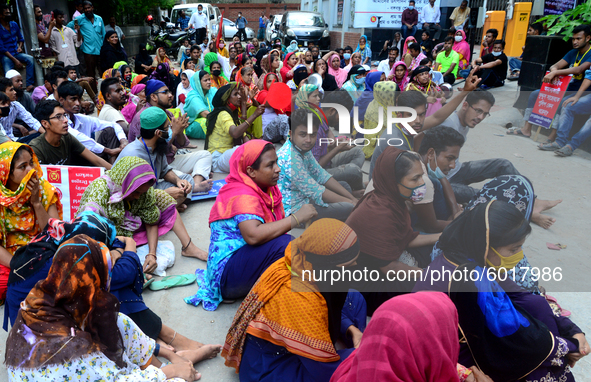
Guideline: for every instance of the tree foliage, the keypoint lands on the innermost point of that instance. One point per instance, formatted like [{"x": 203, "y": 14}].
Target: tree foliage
[{"x": 565, "y": 23}]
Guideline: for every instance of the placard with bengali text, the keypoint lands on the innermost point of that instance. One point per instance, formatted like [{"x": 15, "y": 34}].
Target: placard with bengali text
[{"x": 548, "y": 101}]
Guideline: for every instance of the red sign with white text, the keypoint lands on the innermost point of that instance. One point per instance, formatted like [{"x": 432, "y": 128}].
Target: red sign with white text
[{"x": 548, "y": 101}]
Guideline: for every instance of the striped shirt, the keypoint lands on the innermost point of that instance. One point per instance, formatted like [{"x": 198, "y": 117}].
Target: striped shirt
[{"x": 17, "y": 111}]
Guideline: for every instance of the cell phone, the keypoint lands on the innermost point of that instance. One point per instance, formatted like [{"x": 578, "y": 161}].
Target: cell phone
[
  {"x": 76, "y": 22},
  {"x": 52, "y": 16}
]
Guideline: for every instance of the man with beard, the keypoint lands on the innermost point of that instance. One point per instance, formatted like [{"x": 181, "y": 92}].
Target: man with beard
[
  {"x": 315, "y": 52},
  {"x": 83, "y": 127},
  {"x": 43, "y": 32},
  {"x": 92, "y": 33},
  {"x": 386, "y": 65},
  {"x": 151, "y": 146},
  {"x": 11, "y": 48},
  {"x": 195, "y": 163},
  {"x": 22, "y": 96},
  {"x": 56, "y": 146}
]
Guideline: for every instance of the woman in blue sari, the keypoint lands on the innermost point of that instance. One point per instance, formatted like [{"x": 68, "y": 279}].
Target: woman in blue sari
[
  {"x": 510, "y": 333},
  {"x": 199, "y": 104},
  {"x": 364, "y": 49}
]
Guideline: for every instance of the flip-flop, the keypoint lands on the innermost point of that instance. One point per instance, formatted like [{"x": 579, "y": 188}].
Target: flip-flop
[
  {"x": 517, "y": 132},
  {"x": 147, "y": 282},
  {"x": 173, "y": 281}
]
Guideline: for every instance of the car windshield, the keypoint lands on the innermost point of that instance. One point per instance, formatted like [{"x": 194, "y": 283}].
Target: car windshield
[
  {"x": 305, "y": 20},
  {"x": 188, "y": 11}
]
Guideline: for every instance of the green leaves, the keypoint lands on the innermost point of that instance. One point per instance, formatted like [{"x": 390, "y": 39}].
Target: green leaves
[{"x": 564, "y": 24}]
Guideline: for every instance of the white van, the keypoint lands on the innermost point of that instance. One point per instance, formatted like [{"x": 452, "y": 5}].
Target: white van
[{"x": 213, "y": 14}]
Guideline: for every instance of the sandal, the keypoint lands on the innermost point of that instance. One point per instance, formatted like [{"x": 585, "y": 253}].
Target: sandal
[
  {"x": 147, "y": 282},
  {"x": 516, "y": 131},
  {"x": 173, "y": 281}
]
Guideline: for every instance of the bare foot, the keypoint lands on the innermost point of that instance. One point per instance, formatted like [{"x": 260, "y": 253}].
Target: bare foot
[
  {"x": 358, "y": 193},
  {"x": 203, "y": 186},
  {"x": 544, "y": 205},
  {"x": 203, "y": 353},
  {"x": 542, "y": 220},
  {"x": 194, "y": 251},
  {"x": 182, "y": 207}
]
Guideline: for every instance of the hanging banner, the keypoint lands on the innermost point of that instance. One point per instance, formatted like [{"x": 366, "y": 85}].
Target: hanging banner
[
  {"x": 548, "y": 101},
  {"x": 384, "y": 13},
  {"x": 71, "y": 181},
  {"x": 558, "y": 7}
]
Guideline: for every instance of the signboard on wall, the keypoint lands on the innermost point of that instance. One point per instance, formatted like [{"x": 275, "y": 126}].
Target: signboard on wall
[
  {"x": 71, "y": 181},
  {"x": 558, "y": 7},
  {"x": 386, "y": 13},
  {"x": 340, "y": 7}
]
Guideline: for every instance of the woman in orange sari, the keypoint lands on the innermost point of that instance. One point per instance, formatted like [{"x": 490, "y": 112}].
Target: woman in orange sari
[
  {"x": 27, "y": 201},
  {"x": 287, "y": 325},
  {"x": 248, "y": 226}
]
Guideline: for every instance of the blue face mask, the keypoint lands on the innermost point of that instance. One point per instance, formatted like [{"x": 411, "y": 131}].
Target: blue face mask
[
  {"x": 435, "y": 174},
  {"x": 418, "y": 193},
  {"x": 360, "y": 80},
  {"x": 411, "y": 7},
  {"x": 496, "y": 54},
  {"x": 347, "y": 56}
]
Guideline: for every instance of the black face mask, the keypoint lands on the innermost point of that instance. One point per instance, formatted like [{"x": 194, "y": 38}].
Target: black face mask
[
  {"x": 4, "y": 111},
  {"x": 216, "y": 72}
]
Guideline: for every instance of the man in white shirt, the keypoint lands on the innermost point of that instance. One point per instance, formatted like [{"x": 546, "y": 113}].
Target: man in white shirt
[
  {"x": 199, "y": 22},
  {"x": 386, "y": 65},
  {"x": 64, "y": 40},
  {"x": 13, "y": 110},
  {"x": 82, "y": 127},
  {"x": 430, "y": 17}
]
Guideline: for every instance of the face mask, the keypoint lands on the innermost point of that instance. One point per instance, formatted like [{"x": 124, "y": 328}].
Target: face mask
[
  {"x": 39, "y": 18},
  {"x": 347, "y": 56},
  {"x": 4, "y": 111},
  {"x": 200, "y": 12},
  {"x": 362, "y": 45},
  {"x": 411, "y": 7},
  {"x": 216, "y": 72},
  {"x": 506, "y": 262},
  {"x": 221, "y": 46},
  {"x": 418, "y": 193},
  {"x": 435, "y": 174},
  {"x": 128, "y": 78},
  {"x": 360, "y": 81},
  {"x": 168, "y": 136},
  {"x": 496, "y": 54},
  {"x": 458, "y": 38}
]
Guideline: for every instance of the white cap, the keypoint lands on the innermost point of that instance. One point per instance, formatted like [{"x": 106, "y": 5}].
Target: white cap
[{"x": 12, "y": 73}]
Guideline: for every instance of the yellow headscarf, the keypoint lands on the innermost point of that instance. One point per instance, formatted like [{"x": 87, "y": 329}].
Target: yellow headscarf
[
  {"x": 18, "y": 224},
  {"x": 384, "y": 94}
]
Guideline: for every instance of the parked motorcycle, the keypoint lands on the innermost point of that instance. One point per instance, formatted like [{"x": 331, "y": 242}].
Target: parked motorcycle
[{"x": 166, "y": 36}]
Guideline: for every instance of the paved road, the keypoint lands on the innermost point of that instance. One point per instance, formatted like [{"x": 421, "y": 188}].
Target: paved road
[{"x": 553, "y": 178}]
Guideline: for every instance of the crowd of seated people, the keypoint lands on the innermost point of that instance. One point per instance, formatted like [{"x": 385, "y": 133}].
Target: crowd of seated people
[{"x": 298, "y": 200}]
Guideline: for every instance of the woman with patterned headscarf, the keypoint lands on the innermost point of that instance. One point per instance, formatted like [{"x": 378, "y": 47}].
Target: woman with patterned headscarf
[
  {"x": 384, "y": 94},
  {"x": 27, "y": 202},
  {"x": 420, "y": 80},
  {"x": 288, "y": 324},
  {"x": 70, "y": 325},
  {"x": 125, "y": 196}
]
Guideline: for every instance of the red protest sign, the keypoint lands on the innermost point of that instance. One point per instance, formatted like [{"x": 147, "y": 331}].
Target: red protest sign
[{"x": 548, "y": 101}]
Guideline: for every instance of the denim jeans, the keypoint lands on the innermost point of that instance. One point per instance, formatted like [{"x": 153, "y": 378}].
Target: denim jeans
[
  {"x": 464, "y": 73},
  {"x": 531, "y": 102},
  {"x": 478, "y": 171},
  {"x": 566, "y": 120},
  {"x": 434, "y": 30},
  {"x": 514, "y": 64},
  {"x": 405, "y": 31},
  {"x": 26, "y": 60}
]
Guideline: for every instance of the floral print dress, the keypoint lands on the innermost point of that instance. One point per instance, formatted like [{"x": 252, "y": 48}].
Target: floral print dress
[{"x": 138, "y": 351}]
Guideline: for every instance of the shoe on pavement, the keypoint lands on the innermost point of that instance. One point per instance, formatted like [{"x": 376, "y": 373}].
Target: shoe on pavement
[
  {"x": 549, "y": 146},
  {"x": 565, "y": 151}
]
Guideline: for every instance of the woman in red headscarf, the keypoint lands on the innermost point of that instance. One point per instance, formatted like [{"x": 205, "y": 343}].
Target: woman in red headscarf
[
  {"x": 289, "y": 62},
  {"x": 391, "y": 350},
  {"x": 248, "y": 226}
]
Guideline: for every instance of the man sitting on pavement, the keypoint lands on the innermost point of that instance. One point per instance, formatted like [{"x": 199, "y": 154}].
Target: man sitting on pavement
[
  {"x": 22, "y": 97},
  {"x": 155, "y": 133},
  {"x": 474, "y": 110},
  {"x": 492, "y": 68},
  {"x": 87, "y": 83},
  {"x": 534, "y": 29},
  {"x": 448, "y": 61},
  {"x": 56, "y": 146},
  {"x": 16, "y": 110},
  {"x": 195, "y": 57},
  {"x": 386, "y": 65},
  {"x": 115, "y": 99},
  {"x": 83, "y": 127},
  {"x": 575, "y": 62},
  {"x": 579, "y": 104}
]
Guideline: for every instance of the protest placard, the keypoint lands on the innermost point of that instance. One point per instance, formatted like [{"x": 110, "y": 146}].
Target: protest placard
[{"x": 548, "y": 101}]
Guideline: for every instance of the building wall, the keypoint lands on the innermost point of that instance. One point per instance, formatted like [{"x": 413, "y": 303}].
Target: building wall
[{"x": 252, "y": 12}]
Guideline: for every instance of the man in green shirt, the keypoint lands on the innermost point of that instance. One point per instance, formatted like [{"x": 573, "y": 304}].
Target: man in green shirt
[{"x": 448, "y": 61}]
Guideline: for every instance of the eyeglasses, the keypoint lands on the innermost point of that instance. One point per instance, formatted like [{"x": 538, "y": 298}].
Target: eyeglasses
[
  {"x": 60, "y": 117},
  {"x": 480, "y": 112},
  {"x": 164, "y": 92}
]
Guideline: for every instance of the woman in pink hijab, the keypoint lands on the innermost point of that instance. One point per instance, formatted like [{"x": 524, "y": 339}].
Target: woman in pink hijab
[
  {"x": 399, "y": 74},
  {"x": 409, "y": 40},
  {"x": 334, "y": 68},
  {"x": 463, "y": 49}
]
